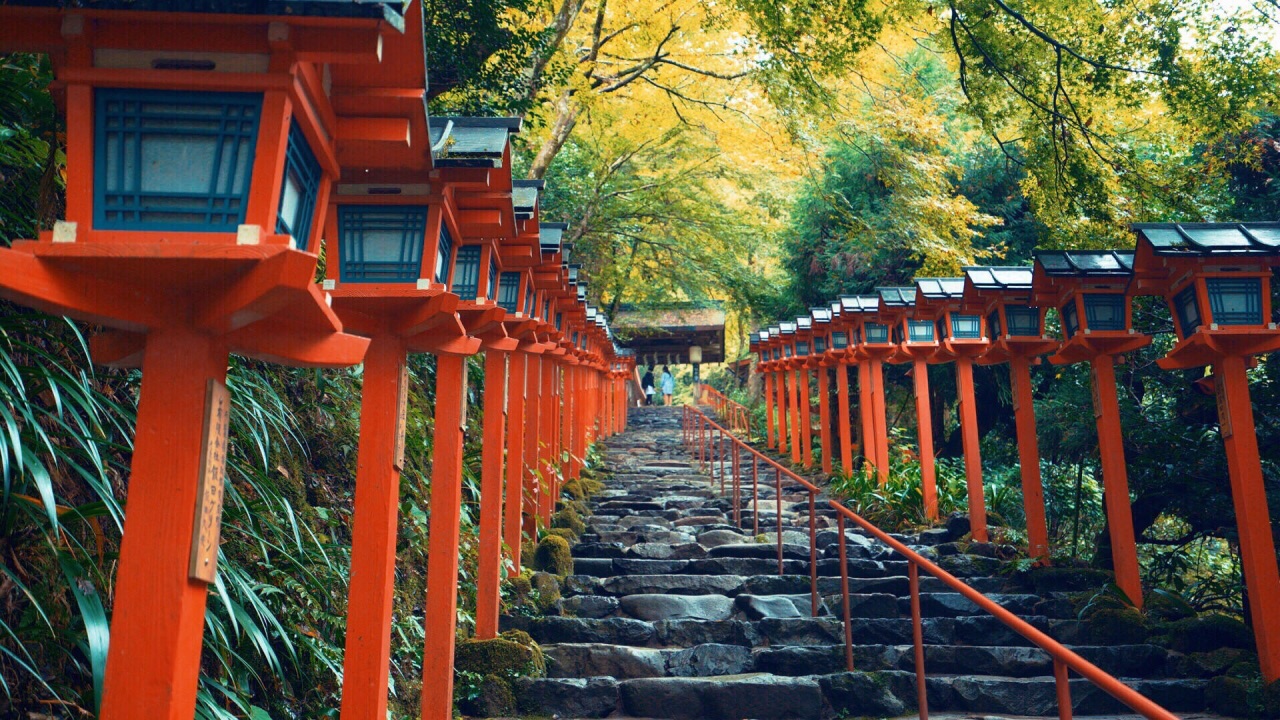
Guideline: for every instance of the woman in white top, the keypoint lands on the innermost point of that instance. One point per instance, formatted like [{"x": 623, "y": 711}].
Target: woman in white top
[{"x": 668, "y": 385}]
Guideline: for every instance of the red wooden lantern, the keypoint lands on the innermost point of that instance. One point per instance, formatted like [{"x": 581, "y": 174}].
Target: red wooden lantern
[
  {"x": 821, "y": 318},
  {"x": 1089, "y": 288},
  {"x": 201, "y": 150},
  {"x": 870, "y": 343},
  {"x": 1017, "y": 333},
  {"x": 961, "y": 337},
  {"x": 837, "y": 356},
  {"x": 1216, "y": 278},
  {"x": 804, "y": 361},
  {"x": 916, "y": 344}
]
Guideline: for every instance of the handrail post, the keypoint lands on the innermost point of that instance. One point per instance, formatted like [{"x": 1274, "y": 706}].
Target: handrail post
[
  {"x": 755, "y": 495},
  {"x": 917, "y": 636},
  {"x": 813, "y": 557},
  {"x": 737, "y": 486},
  {"x": 1062, "y": 685},
  {"x": 777, "y": 511},
  {"x": 720, "y": 454},
  {"x": 844, "y": 591}
]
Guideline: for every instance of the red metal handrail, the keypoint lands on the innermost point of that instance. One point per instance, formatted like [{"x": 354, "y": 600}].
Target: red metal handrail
[
  {"x": 698, "y": 428},
  {"x": 736, "y": 414}
]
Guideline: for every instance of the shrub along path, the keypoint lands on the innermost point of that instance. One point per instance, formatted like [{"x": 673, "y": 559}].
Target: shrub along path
[{"x": 672, "y": 612}]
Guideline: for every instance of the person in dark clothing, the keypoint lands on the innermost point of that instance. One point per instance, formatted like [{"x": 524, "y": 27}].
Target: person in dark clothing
[{"x": 647, "y": 384}]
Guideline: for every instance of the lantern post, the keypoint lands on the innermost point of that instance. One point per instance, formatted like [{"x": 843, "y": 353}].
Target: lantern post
[
  {"x": 779, "y": 387},
  {"x": 961, "y": 338},
  {"x": 872, "y": 344},
  {"x": 821, "y": 319},
  {"x": 1216, "y": 279},
  {"x": 758, "y": 346},
  {"x": 191, "y": 243},
  {"x": 803, "y": 361},
  {"x": 1017, "y": 333},
  {"x": 1089, "y": 290},
  {"x": 838, "y": 355},
  {"x": 792, "y": 388},
  {"x": 917, "y": 344}
]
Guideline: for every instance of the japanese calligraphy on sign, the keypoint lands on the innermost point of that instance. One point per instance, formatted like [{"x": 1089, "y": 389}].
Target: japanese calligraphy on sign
[
  {"x": 1224, "y": 406},
  {"x": 206, "y": 533},
  {"x": 402, "y": 415}
]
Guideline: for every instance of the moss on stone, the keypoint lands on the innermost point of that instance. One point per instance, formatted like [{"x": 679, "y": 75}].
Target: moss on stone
[
  {"x": 574, "y": 489},
  {"x": 565, "y": 533},
  {"x": 498, "y": 656},
  {"x": 547, "y": 590},
  {"x": 1228, "y": 695},
  {"x": 539, "y": 668},
  {"x": 1207, "y": 633},
  {"x": 569, "y": 519},
  {"x": 493, "y": 698},
  {"x": 553, "y": 556},
  {"x": 1117, "y": 626}
]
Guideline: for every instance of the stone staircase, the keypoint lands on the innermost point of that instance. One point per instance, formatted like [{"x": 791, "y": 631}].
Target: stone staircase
[{"x": 673, "y": 612}]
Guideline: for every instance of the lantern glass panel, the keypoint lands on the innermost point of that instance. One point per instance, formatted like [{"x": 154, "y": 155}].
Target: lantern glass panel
[
  {"x": 466, "y": 272},
  {"x": 299, "y": 188},
  {"x": 786, "y": 351},
  {"x": 530, "y": 300},
  {"x": 1235, "y": 301},
  {"x": 1187, "y": 307},
  {"x": 966, "y": 327},
  {"x": 491, "y": 290},
  {"x": 942, "y": 329},
  {"x": 1104, "y": 311},
  {"x": 172, "y": 160},
  {"x": 920, "y": 330},
  {"x": 381, "y": 243},
  {"x": 877, "y": 333},
  {"x": 993, "y": 323},
  {"x": 819, "y": 344},
  {"x": 897, "y": 334},
  {"x": 546, "y": 307},
  {"x": 509, "y": 291},
  {"x": 802, "y": 348},
  {"x": 1070, "y": 319},
  {"x": 839, "y": 340},
  {"x": 1023, "y": 321},
  {"x": 559, "y": 322},
  {"x": 444, "y": 249}
]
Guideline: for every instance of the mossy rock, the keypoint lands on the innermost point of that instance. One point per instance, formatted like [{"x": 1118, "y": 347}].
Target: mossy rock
[
  {"x": 521, "y": 637},
  {"x": 498, "y": 656},
  {"x": 1207, "y": 633},
  {"x": 1271, "y": 700},
  {"x": 1167, "y": 608},
  {"x": 565, "y": 533},
  {"x": 553, "y": 556},
  {"x": 494, "y": 698},
  {"x": 1208, "y": 664},
  {"x": 590, "y": 486},
  {"x": 1067, "y": 579},
  {"x": 574, "y": 489},
  {"x": 547, "y": 587},
  {"x": 569, "y": 519},
  {"x": 1117, "y": 626},
  {"x": 1228, "y": 696}
]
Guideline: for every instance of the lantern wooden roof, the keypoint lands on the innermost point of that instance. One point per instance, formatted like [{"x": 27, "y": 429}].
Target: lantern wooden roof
[
  {"x": 896, "y": 297},
  {"x": 987, "y": 286},
  {"x": 1058, "y": 273},
  {"x": 936, "y": 295}
]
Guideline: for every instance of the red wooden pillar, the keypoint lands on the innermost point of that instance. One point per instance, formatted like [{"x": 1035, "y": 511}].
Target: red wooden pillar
[
  {"x": 867, "y": 426},
  {"x": 768, "y": 410},
  {"x": 780, "y": 406},
  {"x": 153, "y": 661},
  {"x": 972, "y": 450},
  {"x": 846, "y": 434},
  {"x": 793, "y": 380},
  {"x": 1253, "y": 521},
  {"x": 366, "y": 661},
  {"x": 551, "y": 396},
  {"x": 924, "y": 437},
  {"x": 1024, "y": 412},
  {"x": 824, "y": 417},
  {"x": 489, "y": 565},
  {"x": 440, "y": 616},
  {"x": 512, "y": 532},
  {"x": 532, "y": 438},
  {"x": 879, "y": 419},
  {"x": 1115, "y": 478},
  {"x": 806, "y": 417}
]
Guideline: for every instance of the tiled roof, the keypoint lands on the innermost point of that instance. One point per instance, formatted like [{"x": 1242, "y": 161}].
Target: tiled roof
[
  {"x": 391, "y": 11},
  {"x": 1000, "y": 278},
  {"x": 524, "y": 197},
  {"x": 1086, "y": 263},
  {"x": 471, "y": 142},
  {"x": 897, "y": 296},
  {"x": 1211, "y": 238},
  {"x": 859, "y": 303},
  {"x": 550, "y": 237},
  {"x": 821, "y": 314},
  {"x": 941, "y": 288}
]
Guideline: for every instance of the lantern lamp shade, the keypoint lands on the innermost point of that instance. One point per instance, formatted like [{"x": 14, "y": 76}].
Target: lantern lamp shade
[
  {"x": 546, "y": 307},
  {"x": 530, "y": 300},
  {"x": 381, "y": 243},
  {"x": 509, "y": 291},
  {"x": 444, "y": 250},
  {"x": 1235, "y": 301},
  {"x": 1186, "y": 308},
  {"x": 491, "y": 287},
  {"x": 819, "y": 344},
  {"x": 695, "y": 354},
  {"x": 839, "y": 340},
  {"x": 466, "y": 271},
  {"x": 966, "y": 327},
  {"x": 173, "y": 160},
  {"x": 559, "y": 322},
  {"x": 786, "y": 351},
  {"x": 1104, "y": 311},
  {"x": 877, "y": 332},
  {"x": 802, "y": 348},
  {"x": 298, "y": 188},
  {"x": 1070, "y": 319},
  {"x": 1023, "y": 321},
  {"x": 919, "y": 331}
]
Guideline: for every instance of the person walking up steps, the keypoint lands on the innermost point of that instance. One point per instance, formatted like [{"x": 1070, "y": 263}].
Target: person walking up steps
[
  {"x": 668, "y": 385},
  {"x": 647, "y": 383}
]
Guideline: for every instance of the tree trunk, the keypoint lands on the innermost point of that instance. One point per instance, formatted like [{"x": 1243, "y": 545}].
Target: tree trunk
[{"x": 566, "y": 119}]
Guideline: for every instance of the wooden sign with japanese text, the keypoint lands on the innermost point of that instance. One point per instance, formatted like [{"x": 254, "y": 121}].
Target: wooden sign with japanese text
[
  {"x": 1224, "y": 406},
  {"x": 402, "y": 416},
  {"x": 207, "y": 529}
]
